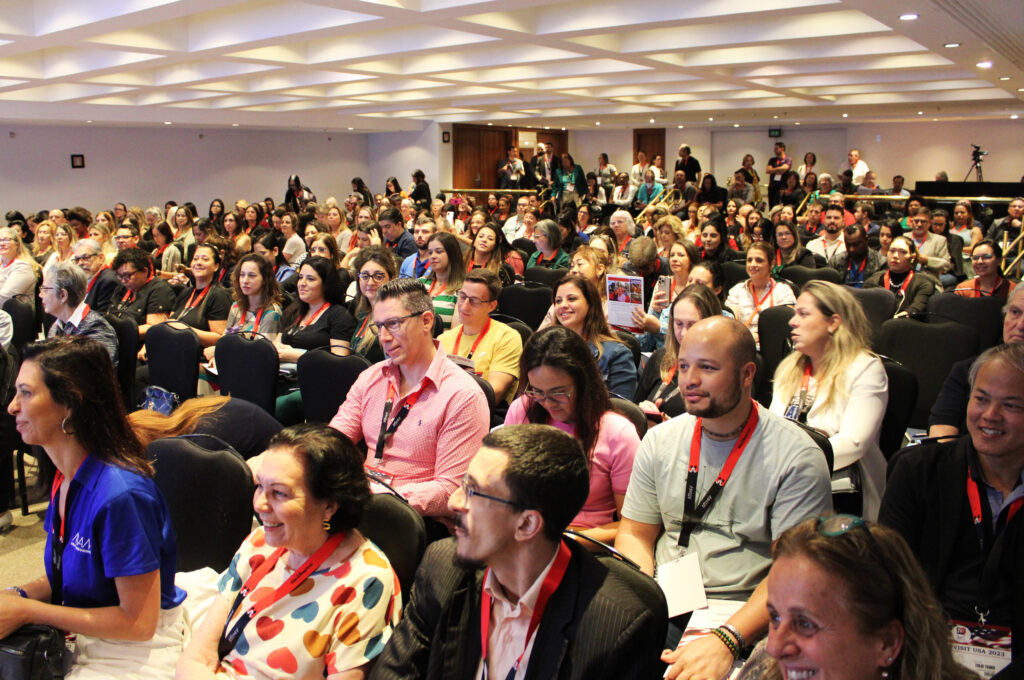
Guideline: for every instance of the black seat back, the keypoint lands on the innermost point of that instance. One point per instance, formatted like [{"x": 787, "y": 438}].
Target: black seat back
[
  {"x": 398, "y": 530},
  {"x": 773, "y": 331},
  {"x": 902, "y": 399},
  {"x": 127, "y": 332},
  {"x": 529, "y": 304},
  {"x": 734, "y": 272},
  {"x": 23, "y": 319},
  {"x": 247, "y": 367},
  {"x": 879, "y": 304},
  {"x": 209, "y": 491},
  {"x": 983, "y": 314},
  {"x": 542, "y": 274},
  {"x": 633, "y": 412},
  {"x": 173, "y": 355},
  {"x": 325, "y": 379}
]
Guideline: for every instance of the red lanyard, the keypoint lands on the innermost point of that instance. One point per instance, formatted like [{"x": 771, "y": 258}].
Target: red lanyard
[
  {"x": 362, "y": 328},
  {"x": 92, "y": 282},
  {"x": 550, "y": 584},
  {"x": 694, "y": 512},
  {"x": 313, "y": 319},
  {"x": 977, "y": 285},
  {"x": 189, "y": 306},
  {"x": 540, "y": 257},
  {"x": 671, "y": 375},
  {"x": 230, "y": 638},
  {"x": 434, "y": 283},
  {"x": 256, "y": 321},
  {"x": 758, "y": 303},
  {"x": 622, "y": 248},
  {"x": 160, "y": 250},
  {"x": 903, "y": 288},
  {"x": 458, "y": 338},
  {"x": 387, "y": 430},
  {"x": 129, "y": 296},
  {"x": 974, "y": 499},
  {"x": 54, "y": 490},
  {"x": 797, "y": 411},
  {"x": 778, "y": 257},
  {"x": 860, "y": 270}
]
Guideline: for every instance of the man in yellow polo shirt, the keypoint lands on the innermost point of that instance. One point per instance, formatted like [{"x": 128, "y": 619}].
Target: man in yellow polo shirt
[{"x": 493, "y": 348}]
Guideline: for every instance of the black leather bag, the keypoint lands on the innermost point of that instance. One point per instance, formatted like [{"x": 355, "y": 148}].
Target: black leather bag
[{"x": 32, "y": 652}]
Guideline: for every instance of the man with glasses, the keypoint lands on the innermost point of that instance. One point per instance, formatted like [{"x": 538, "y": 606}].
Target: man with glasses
[
  {"x": 932, "y": 251},
  {"x": 144, "y": 298},
  {"x": 88, "y": 254},
  {"x": 126, "y": 236},
  {"x": 723, "y": 482},
  {"x": 489, "y": 348},
  {"x": 958, "y": 503},
  {"x": 508, "y": 596},
  {"x": 422, "y": 417}
]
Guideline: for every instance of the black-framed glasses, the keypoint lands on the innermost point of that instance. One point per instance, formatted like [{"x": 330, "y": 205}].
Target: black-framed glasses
[
  {"x": 982, "y": 257},
  {"x": 473, "y": 301},
  {"x": 395, "y": 323},
  {"x": 126, "y": 276},
  {"x": 79, "y": 259},
  {"x": 379, "y": 277},
  {"x": 838, "y": 525},
  {"x": 469, "y": 493}
]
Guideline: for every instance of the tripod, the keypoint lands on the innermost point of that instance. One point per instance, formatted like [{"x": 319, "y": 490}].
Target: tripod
[{"x": 977, "y": 158}]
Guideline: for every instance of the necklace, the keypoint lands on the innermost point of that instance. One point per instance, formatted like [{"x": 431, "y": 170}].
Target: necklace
[{"x": 727, "y": 435}]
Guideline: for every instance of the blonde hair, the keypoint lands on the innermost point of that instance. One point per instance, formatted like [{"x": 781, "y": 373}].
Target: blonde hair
[
  {"x": 850, "y": 340},
  {"x": 152, "y": 425},
  {"x": 597, "y": 259},
  {"x": 21, "y": 250}
]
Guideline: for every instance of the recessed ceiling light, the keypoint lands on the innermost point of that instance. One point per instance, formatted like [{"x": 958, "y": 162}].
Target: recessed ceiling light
[
  {"x": 234, "y": 125},
  {"x": 1005, "y": 78},
  {"x": 952, "y": 44},
  {"x": 563, "y": 128},
  {"x": 680, "y": 127},
  {"x": 490, "y": 123},
  {"x": 547, "y": 127},
  {"x": 920, "y": 113},
  {"x": 935, "y": 120},
  {"x": 1014, "y": 117},
  {"x": 735, "y": 124},
  {"x": 775, "y": 117},
  {"x": 652, "y": 120},
  {"x": 846, "y": 115},
  {"x": 351, "y": 128},
  {"x": 597, "y": 123},
  {"x": 167, "y": 122},
  {"x": 910, "y": 16},
  {"x": 796, "y": 123},
  {"x": 984, "y": 64},
  {"x": 710, "y": 118},
  {"x": 88, "y": 121}
]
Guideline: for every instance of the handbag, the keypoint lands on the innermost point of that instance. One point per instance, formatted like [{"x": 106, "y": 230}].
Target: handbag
[
  {"x": 157, "y": 399},
  {"x": 33, "y": 652}
]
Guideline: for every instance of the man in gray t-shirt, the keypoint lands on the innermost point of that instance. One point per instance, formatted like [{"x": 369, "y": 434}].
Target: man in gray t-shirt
[{"x": 779, "y": 478}]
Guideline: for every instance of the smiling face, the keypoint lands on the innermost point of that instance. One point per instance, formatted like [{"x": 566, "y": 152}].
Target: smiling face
[
  {"x": 310, "y": 286},
  {"x": 995, "y": 413},
  {"x": 758, "y": 267},
  {"x": 204, "y": 265},
  {"x": 437, "y": 256},
  {"x": 37, "y": 417},
  {"x": 710, "y": 238},
  {"x": 583, "y": 267},
  {"x": 811, "y": 632},
  {"x": 552, "y": 380},
  {"x": 485, "y": 241},
  {"x": 571, "y": 307},
  {"x": 292, "y": 517}
]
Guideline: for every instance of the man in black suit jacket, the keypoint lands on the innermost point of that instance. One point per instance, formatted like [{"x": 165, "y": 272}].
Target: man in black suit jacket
[
  {"x": 522, "y": 489},
  {"x": 102, "y": 282},
  {"x": 542, "y": 168},
  {"x": 935, "y": 492}
]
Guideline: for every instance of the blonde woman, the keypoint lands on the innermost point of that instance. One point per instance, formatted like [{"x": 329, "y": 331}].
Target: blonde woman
[
  {"x": 43, "y": 246},
  {"x": 64, "y": 238},
  {"x": 831, "y": 381},
  {"x": 101, "y": 233},
  {"x": 17, "y": 268}
]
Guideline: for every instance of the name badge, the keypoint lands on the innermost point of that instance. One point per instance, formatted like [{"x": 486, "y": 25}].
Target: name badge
[
  {"x": 379, "y": 475},
  {"x": 981, "y": 647}
]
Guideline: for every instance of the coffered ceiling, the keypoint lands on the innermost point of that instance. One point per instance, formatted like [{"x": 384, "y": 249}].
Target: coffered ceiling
[{"x": 379, "y": 65}]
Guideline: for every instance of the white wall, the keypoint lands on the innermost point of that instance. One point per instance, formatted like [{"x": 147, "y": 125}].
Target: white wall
[
  {"x": 146, "y": 166},
  {"x": 398, "y": 154},
  {"x": 730, "y": 145}
]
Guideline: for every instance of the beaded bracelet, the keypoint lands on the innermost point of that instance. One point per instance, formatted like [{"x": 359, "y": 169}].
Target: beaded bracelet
[
  {"x": 741, "y": 642},
  {"x": 20, "y": 591},
  {"x": 727, "y": 641}
]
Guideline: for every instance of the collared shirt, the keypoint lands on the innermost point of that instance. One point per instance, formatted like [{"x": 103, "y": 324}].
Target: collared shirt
[
  {"x": 404, "y": 246},
  {"x": 510, "y": 622},
  {"x": 86, "y": 322},
  {"x": 997, "y": 504},
  {"x": 155, "y": 297},
  {"x": 414, "y": 268},
  {"x": 429, "y": 453}
]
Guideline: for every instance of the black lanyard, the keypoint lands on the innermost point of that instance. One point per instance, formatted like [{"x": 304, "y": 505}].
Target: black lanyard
[
  {"x": 59, "y": 540},
  {"x": 387, "y": 430}
]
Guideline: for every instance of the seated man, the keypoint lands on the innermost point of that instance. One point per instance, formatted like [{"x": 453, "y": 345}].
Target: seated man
[
  {"x": 552, "y": 610},
  {"x": 831, "y": 244},
  {"x": 494, "y": 348},
  {"x": 767, "y": 473},
  {"x": 859, "y": 262},
  {"x": 101, "y": 284},
  {"x": 421, "y": 416},
  {"x": 956, "y": 503},
  {"x": 417, "y": 265},
  {"x": 932, "y": 251},
  {"x": 144, "y": 298},
  {"x": 950, "y": 408}
]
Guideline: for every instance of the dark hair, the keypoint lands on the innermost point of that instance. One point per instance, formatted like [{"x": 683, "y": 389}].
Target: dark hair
[
  {"x": 595, "y": 324},
  {"x": 330, "y": 243},
  {"x": 997, "y": 250},
  {"x": 717, "y": 222},
  {"x": 269, "y": 290},
  {"x": 558, "y": 347},
  {"x": 704, "y": 301},
  {"x": 392, "y": 215},
  {"x": 487, "y": 278},
  {"x": 213, "y": 249},
  {"x": 80, "y": 376},
  {"x": 378, "y": 255},
  {"x": 456, "y": 263},
  {"x": 136, "y": 257},
  {"x": 330, "y": 282},
  {"x": 165, "y": 230},
  {"x": 333, "y": 469},
  {"x": 717, "y": 274},
  {"x": 546, "y": 472},
  {"x": 274, "y": 239},
  {"x": 418, "y": 175},
  {"x": 497, "y": 256},
  {"x": 410, "y": 292}
]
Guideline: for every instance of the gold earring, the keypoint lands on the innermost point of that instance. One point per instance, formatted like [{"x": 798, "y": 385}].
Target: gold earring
[{"x": 326, "y": 524}]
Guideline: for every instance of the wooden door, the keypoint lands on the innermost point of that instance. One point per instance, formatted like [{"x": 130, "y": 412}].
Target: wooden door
[
  {"x": 557, "y": 139},
  {"x": 649, "y": 140},
  {"x": 476, "y": 152}
]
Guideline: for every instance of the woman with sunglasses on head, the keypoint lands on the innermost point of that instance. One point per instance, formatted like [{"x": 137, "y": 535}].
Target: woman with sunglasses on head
[
  {"x": 832, "y": 382},
  {"x": 848, "y": 599},
  {"x": 374, "y": 266},
  {"x": 562, "y": 386},
  {"x": 444, "y": 280},
  {"x": 989, "y": 279},
  {"x": 579, "y": 307}
]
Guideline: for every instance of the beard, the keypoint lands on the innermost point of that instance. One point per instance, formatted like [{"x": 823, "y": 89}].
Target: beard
[{"x": 718, "y": 407}]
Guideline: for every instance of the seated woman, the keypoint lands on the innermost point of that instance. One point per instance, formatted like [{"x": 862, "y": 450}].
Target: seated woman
[
  {"x": 788, "y": 249},
  {"x": 563, "y": 388},
  {"x": 911, "y": 289},
  {"x": 166, "y": 255},
  {"x": 858, "y": 584},
  {"x": 989, "y": 279},
  {"x": 548, "y": 239},
  {"x": 667, "y": 231},
  {"x": 64, "y": 238},
  {"x": 17, "y": 268},
  {"x": 488, "y": 251},
  {"x": 118, "y": 595},
  {"x": 682, "y": 256},
  {"x": 294, "y": 249},
  {"x": 271, "y": 246},
  {"x": 343, "y": 597},
  {"x": 747, "y": 299},
  {"x": 232, "y": 225},
  {"x": 146, "y": 299},
  {"x": 832, "y": 382},
  {"x": 317, "y": 319},
  {"x": 102, "y": 233},
  {"x": 658, "y": 392},
  {"x": 578, "y": 307},
  {"x": 715, "y": 242},
  {"x": 792, "y": 193},
  {"x": 444, "y": 280},
  {"x": 374, "y": 267},
  {"x": 257, "y": 305},
  {"x": 42, "y": 245},
  {"x": 887, "y": 231},
  {"x": 205, "y": 304},
  {"x": 592, "y": 264},
  {"x": 322, "y": 244},
  {"x": 63, "y": 295},
  {"x": 246, "y": 427},
  {"x": 336, "y": 226}
]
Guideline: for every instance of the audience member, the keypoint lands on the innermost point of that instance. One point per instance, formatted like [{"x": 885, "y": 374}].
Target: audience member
[
  {"x": 417, "y": 265},
  {"x": 397, "y": 238},
  {"x": 747, "y": 299},
  {"x": 830, "y": 245},
  {"x": 859, "y": 262},
  {"x": 911, "y": 289},
  {"x": 522, "y": 489},
  {"x": 143, "y": 297},
  {"x": 63, "y": 296},
  {"x": 102, "y": 282}
]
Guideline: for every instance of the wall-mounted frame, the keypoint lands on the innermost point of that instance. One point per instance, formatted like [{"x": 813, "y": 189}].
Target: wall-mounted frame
[
  {"x": 446, "y": 137},
  {"x": 77, "y": 161}
]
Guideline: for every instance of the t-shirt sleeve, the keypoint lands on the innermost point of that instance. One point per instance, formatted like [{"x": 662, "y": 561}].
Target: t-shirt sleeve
[
  {"x": 517, "y": 412},
  {"x": 219, "y": 305},
  {"x": 131, "y": 530},
  {"x": 623, "y": 445},
  {"x": 506, "y": 352},
  {"x": 805, "y": 488},
  {"x": 160, "y": 301},
  {"x": 340, "y": 324}
]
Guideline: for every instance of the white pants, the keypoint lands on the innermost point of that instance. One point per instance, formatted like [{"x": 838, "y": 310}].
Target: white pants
[{"x": 96, "y": 658}]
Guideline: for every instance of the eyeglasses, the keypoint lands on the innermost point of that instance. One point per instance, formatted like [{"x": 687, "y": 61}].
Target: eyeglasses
[
  {"x": 559, "y": 395},
  {"x": 983, "y": 257},
  {"x": 42, "y": 288},
  {"x": 125, "y": 276},
  {"x": 469, "y": 493},
  {"x": 378, "y": 277},
  {"x": 473, "y": 301},
  {"x": 838, "y": 525},
  {"x": 6, "y": 241},
  {"x": 123, "y": 237},
  {"x": 395, "y": 323},
  {"x": 79, "y": 259}
]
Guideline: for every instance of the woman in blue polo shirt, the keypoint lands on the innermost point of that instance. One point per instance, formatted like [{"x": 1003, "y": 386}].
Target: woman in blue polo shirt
[{"x": 110, "y": 548}]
